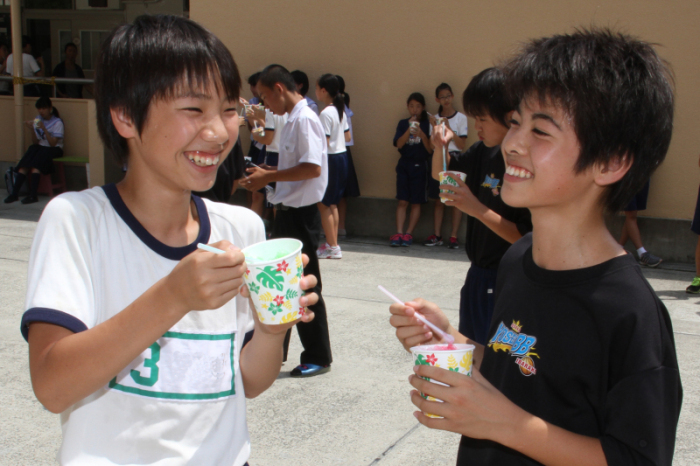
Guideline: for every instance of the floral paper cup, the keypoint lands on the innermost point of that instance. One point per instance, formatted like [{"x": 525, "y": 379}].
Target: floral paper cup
[
  {"x": 273, "y": 275},
  {"x": 449, "y": 178},
  {"x": 457, "y": 358}
]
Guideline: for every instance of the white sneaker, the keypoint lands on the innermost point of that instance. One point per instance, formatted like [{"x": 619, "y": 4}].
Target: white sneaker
[
  {"x": 335, "y": 253},
  {"x": 324, "y": 247}
]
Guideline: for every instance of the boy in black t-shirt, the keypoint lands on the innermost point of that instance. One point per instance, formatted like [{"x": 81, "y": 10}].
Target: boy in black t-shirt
[
  {"x": 492, "y": 226},
  {"x": 581, "y": 366}
]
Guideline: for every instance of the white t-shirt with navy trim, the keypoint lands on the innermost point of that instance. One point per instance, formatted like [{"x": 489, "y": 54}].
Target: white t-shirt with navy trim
[
  {"x": 459, "y": 125},
  {"x": 334, "y": 129},
  {"x": 182, "y": 400}
]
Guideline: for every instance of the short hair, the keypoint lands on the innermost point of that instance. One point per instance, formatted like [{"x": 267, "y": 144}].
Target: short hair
[
  {"x": 176, "y": 52},
  {"x": 43, "y": 102},
  {"x": 485, "y": 95},
  {"x": 616, "y": 89},
  {"x": 301, "y": 78},
  {"x": 69, "y": 44},
  {"x": 253, "y": 79},
  {"x": 277, "y": 74}
]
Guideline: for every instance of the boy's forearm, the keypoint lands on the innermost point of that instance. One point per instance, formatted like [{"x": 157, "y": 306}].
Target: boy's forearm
[
  {"x": 301, "y": 172},
  {"x": 67, "y": 367},
  {"x": 499, "y": 225},
  {"x": 261, "y": 360},
  {"x": 551, "y": 445},
  {"x": 437, "y": 162}
]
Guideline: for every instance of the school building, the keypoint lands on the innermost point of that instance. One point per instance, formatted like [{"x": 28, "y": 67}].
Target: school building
[{"x": 388, "y": 49}]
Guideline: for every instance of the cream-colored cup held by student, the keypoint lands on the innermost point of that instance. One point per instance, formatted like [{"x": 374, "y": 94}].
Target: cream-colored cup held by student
[
  {"x": 413, "y": 126},
  {"x": 448, "y": 177},
  {"x": 457, "y": 357},
  {"x": 273, "y": 275}
]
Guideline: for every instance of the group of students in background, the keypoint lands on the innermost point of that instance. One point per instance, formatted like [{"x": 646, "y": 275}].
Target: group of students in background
[
  {"x": 35, "y": 67},
  {"x": 336, "y": 118},
  {"x": 415, "y": 180}
]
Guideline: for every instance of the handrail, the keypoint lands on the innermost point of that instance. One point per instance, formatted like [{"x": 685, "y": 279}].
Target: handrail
[{"x": 47, "y": 81}]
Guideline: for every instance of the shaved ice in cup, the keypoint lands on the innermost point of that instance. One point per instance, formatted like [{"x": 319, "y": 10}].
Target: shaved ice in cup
[
  {"x": 274, "y": 269},
  {"x": 413, "y": 125},
  {"x": 260, "y": 131},
  {"x": 457, "y": 357},
  {"x": 448, "y": 177}
]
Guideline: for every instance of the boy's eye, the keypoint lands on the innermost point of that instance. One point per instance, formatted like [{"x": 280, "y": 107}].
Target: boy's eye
[
  {"x": 231, "y": 109},
  {"x": 513, "y": 121},
  {"x": 193, "y": 109},
  {"x": 539, "y": 132}
]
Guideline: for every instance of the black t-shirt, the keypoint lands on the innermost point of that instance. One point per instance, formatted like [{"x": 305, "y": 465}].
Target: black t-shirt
[
  {"x": 485, "y": 167},
  {"x": 71, "y": 90},
  {"x": 414, "y": 149},
  {"x": 588, "y": 350}
]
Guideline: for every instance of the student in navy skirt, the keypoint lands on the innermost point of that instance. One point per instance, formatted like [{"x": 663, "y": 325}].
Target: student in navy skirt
[
  {"x": 352, "y": 187},
  {"x": 47, "y": 144}
]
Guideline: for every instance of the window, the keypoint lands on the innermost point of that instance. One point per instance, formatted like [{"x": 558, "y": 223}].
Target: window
[
  {"x": 48, "y": 4},
  {"x": 90, "y": 42}
]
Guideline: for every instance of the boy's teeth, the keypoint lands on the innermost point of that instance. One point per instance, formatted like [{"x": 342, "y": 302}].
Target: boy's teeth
[
  {"x": 519, "y": 172},
  {"x": 203, "y": 161}
]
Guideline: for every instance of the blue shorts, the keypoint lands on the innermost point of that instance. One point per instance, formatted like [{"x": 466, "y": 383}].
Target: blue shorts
[
  {"x": 337, "y": 178},
  {"x": 412, "y": 181},
  {"x": 695, "y": 226},
  {"x": 639, "y": 201},
  {"x": 476, "y": 302},
  {"x": 272, "y": 158}
]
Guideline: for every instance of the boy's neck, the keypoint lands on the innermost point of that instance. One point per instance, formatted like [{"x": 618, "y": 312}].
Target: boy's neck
[
  {"x": 167, "y": 214},
  {"x": 568, "y": 242},
  {"x": 447, "y": 111},
  {"x": 291, "y": 99}
]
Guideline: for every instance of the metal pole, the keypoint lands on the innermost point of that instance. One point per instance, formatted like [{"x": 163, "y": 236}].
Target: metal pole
[{"x": 16, "y": 22}]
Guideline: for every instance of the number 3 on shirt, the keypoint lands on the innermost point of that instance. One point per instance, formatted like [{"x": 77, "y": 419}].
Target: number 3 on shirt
[{"x": 151, "y": 364}]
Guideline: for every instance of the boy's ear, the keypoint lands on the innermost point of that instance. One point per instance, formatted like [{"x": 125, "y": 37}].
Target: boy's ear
[
  {"x": 123, "y": 123},
  {"x": 612, "y": 171}
]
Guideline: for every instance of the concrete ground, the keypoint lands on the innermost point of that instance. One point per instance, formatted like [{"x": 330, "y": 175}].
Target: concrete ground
[{"x": 360, "y": 412}]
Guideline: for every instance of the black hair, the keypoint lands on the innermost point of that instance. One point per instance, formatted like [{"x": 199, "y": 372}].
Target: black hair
[
  {"x": 45, "y": 102},
  {"x": 26, "y": 41},
  {"x": 418, "y": 97},
  {"x": 616, "y": 89},
  {"x": 277, "y": 74},
  {"x": 177, "y": 52},
  {"x": 69, "y": 44},
  {"x": 254, "y": 78},
  {"x": 301, "y": 78},
  {"x": 330, "y": 83},
  {"x": 486, "y": 95},
  {"x": 346, "y": 96},
  {"x": 442, "y": 87}
]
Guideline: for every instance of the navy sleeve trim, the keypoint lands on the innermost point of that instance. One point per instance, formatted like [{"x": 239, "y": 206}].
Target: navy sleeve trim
[
  {"x": 50, "y": 316},
  {"x": 246, "y": 339}
]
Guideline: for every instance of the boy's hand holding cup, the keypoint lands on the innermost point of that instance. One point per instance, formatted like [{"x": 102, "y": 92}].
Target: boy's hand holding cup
[{"x": 204, "y": 280}]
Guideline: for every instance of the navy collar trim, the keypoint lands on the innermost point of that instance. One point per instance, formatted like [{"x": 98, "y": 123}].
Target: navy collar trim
[{"x": 148, "y": 239}]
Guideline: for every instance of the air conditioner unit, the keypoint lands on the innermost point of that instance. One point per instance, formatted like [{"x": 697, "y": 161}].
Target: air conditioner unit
[{"x": 97, "y": 4}]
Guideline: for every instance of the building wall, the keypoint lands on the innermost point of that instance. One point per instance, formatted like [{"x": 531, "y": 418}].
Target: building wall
[{"x": 386, "y": 50}]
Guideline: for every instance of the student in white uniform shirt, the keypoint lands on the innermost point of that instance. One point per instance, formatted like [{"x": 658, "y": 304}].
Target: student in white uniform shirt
[
  {"x": 335, "y": 125},
  {"x": 457, "y": 122},
  {"x": 30, "y": 67},
  {"x": 302, "y": 82},
  {"x": 301, "y": 178},
  {"x": 116, "y": 283}
]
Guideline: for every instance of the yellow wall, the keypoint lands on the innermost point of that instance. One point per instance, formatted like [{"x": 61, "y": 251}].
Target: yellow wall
[{"x": 387, "y": 49}]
